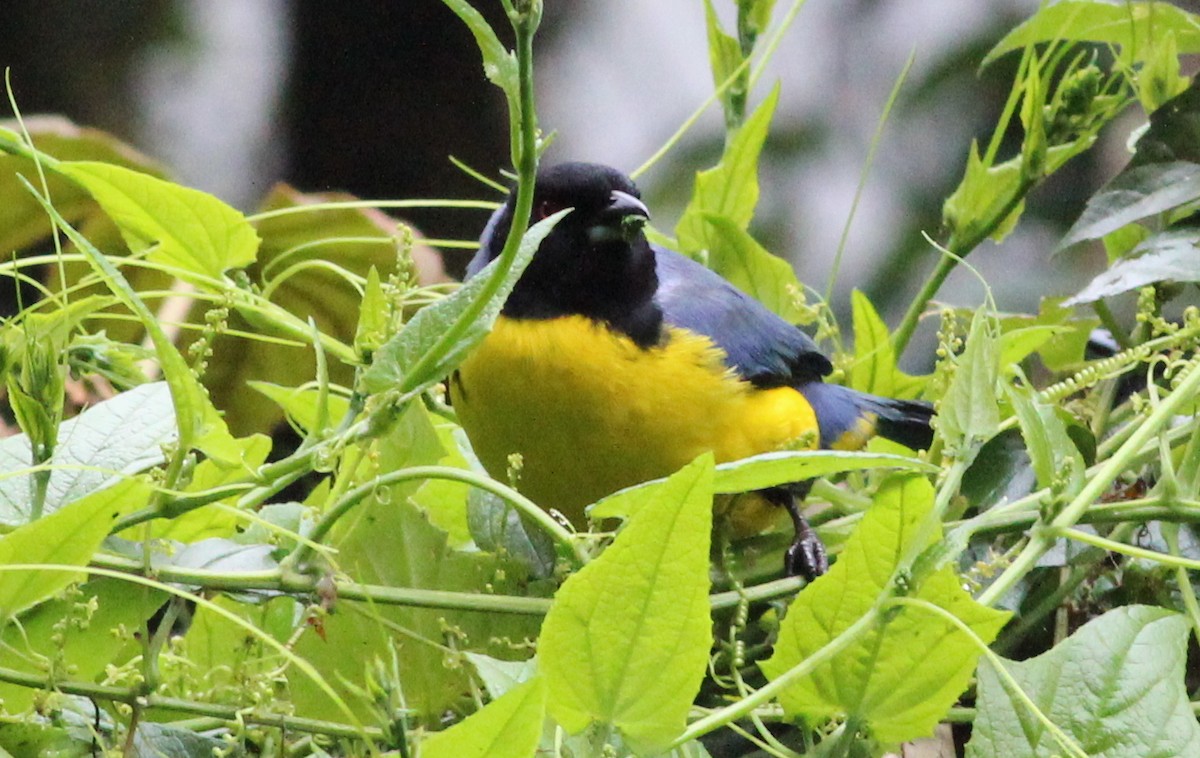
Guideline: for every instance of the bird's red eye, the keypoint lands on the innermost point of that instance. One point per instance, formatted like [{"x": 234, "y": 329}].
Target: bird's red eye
[{"x": 547, "y": 208}]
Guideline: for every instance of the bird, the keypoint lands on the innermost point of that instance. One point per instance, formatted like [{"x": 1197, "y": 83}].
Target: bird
[{"x": 614, "y": 361}]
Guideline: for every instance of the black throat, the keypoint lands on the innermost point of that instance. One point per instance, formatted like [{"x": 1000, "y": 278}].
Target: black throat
[{"x": 613, "y": 284}]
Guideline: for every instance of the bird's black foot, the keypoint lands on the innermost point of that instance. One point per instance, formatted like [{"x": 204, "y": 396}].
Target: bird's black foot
[{"x": 806, "y": 555}]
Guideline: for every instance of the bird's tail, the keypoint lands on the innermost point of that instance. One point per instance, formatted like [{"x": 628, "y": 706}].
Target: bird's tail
[
  {"x": 905, "y": 421},
  {"x": 848, "y": 418}
]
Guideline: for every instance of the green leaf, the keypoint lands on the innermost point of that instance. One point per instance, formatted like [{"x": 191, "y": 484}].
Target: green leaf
[
  {"x": 499, "y": 64},
  {"x": 508, "y": 727},
  {"x": 392, "y": 362},
  {"x": 86, "y": 648},
  {"x": 762, "y": 471},
  {"x": 498, "y": 527},
  {"x": 729, "y": 189},
  {"x": 387, "y": 541},
  {"x": 735, "y": 255},
  {"x": 165, "y": 741},
  {"x": 1115, "y": 687},
  {"x": 229, "y": 655},
  {"x": 634, "y": 658},
  {"x": 1001, "y": 472},
  {"x": 1018, "y": 344},
  {"x": 1173, "y": 133},
  {"x": 180, "y": 226},
  {"x": 724, "y": 56},
  {"x": 1169, "y": 256},
  {"x": 111, "y": 440},
  {"x": 1135, "y": 27},
  {"x": 23, "y": 223},
  {"x": 301, "y": 404},
  {"x": 1050, "y": 447},
  {"x": 372, "y": 316},
  {"x": 499, "y": 676},
  {"x": 31, "y": 739},
  {"x": 69, "y": 537},
  {"x": 969, "y": 413},
  {"x": 1135, "y": 194},
  {"x": 200, "y": 425},
  {"x": 888, "y": 677},
  {"x": 445, "y": 501},
  {"x": 874, "y": 369},
  {"x": 213, "y": 520},
  {"x": 1066, "y": 345},
  {"x": 982, "y": 193},
  {"x": 1159, "y": 80}
]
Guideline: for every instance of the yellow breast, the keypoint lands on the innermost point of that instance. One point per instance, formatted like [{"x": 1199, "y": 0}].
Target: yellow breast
[{"x": 590, "y": 412}]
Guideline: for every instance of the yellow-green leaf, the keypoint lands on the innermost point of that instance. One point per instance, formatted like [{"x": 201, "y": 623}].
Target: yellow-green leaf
[
  {"x": 508, "y": 727},
  {"x": 887, "y": 678},
  {"x": 69, "y": 536},
  {"x": 730, "y": 188},
  {"x": 874, "y": 369},
  {"x": 627, "y": 638},
  {"x": 181, "y": 226}
]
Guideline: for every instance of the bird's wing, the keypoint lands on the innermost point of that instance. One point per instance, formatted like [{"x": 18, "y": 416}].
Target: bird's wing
[{"x": 760, "y": 346}]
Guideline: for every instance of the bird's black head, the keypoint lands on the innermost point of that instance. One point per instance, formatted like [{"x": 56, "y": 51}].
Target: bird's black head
[{"x": 596, "y": 261}]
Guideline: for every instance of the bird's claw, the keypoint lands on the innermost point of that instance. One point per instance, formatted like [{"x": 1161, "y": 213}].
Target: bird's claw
[{"x": 806, "y": 555}]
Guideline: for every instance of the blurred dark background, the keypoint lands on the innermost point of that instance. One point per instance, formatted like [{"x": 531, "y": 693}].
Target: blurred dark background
[{"x": 372, "y": 97}]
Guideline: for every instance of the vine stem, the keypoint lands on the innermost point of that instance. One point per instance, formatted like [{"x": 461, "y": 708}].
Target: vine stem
[
  {"x": 525, "y": 159},
  {"x": 768, "y": 692},
  {"x": 1043, "y": 538},
  {"x": 412, "y": 597},
  {"x": 302, "y": 664},
  {"x": 225, "y": 713},
  {"x": 358, "y": 494},
  {"x": 1009, "y": 681},
  {"x": 959, "y": 247},
  {"x": 1114, "y": 546}
]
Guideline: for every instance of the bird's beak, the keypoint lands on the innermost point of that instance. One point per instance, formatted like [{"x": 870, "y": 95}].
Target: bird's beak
[{"x": 622, "y": 219}]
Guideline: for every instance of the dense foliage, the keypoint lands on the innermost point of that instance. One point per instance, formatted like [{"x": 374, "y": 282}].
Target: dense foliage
[{"x": 175, "y": 581}]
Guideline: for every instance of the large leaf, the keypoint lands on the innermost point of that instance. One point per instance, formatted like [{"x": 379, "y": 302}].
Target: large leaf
[
  {"x": 22, "y": 220},
  {"x": 969, "y": 415},
  {"x": 1132, "y": 26},
  {"x": 200, "y": 425},
  {"x": 1134, "y": 194},
  {"x": 180, "y": 226},
  {"x": 66, "y": 537},
  {"x": 385, "y": 540},
  {"x": 87, "y": 648},
  {"x": 1170, "y": 256},
  {"x": 508, "y": 727},
  {"x": 229, "y": 655},
  {"x": 626, "y": 640},
  {"x": 887, "y": 678},
  {"x": 1115, "y": 687},
  {"x": 874, "y": 369},
  {"x": 730, "y": 189},
  {"x": 738, "y": 257},
  {"x": 108, "y": 441},
  {"x": 761, "y": 471}
]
